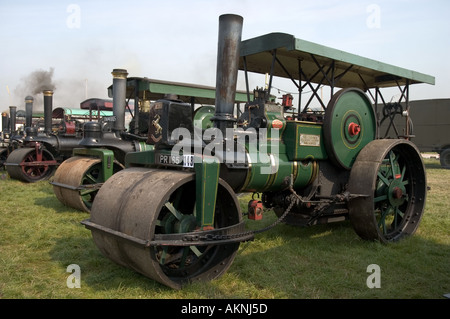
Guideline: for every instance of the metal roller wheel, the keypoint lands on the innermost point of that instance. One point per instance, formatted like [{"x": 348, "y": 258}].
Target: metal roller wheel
[
  {"x": 19, "y": 165},
  {"x": 141, "y": 203},
  {"x": 82, "y": 177},
  {"x": 391, "y": 174}
]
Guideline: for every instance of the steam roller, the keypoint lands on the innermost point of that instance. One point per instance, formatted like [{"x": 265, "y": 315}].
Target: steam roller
[
  {"x": 30, "y": 164},
  {"x": 102, "y": 150},
  {"x": 37, "y": 155},
  {"x": 85, "y": 175},
  {"x": 172, "y": 214},
  {"x": 99, "y": 154}
]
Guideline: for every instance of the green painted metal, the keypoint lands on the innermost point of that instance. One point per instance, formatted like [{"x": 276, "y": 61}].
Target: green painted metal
[
  {"x": 348, "y": 107},
  {"x": 143, "y": 158},
  {"x": 291, "y": 50},
  {"x": 390, "y": 189},
  {"x": 202, "y": 117},
  {"x": 106, "y": 156},
  {"x": 304, "y": 140},
  {"x": 207, "y": 171},
  {"x": 276, "y": 123},
  {"x": 151, "y": 89},
  {"x": 273, "y": 171},
  {"x": 60, "y": 112}
]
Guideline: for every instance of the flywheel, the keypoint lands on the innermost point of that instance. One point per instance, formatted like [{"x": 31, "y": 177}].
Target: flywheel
[
  {"x": 202, "y": 117},
  {"x": 349, "y": 125}
]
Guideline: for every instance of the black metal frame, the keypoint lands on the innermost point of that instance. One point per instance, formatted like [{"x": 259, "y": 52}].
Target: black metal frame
[{"x": 329, "y": 76}]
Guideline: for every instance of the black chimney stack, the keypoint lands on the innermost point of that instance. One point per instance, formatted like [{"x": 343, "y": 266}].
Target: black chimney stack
[
  {"x": 12, "y": 116},
  {"x": 228, "y": 52},
  {"x": 48, "y": 107},
  {"x": 5, "y": 123},
  {"x": 28, "y": 111},
  {"x": 119, "y": 99}
]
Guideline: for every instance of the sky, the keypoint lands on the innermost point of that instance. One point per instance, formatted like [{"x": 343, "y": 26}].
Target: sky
[{"x": 79, "y": 43}]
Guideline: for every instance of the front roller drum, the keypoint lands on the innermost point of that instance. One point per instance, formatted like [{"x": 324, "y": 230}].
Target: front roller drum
[
  {"x": 390, "y": 176},
  {"x": 78, "y": 179},
  {"x": 25, "y": 165},
  {"x": 144, "y": 203}
]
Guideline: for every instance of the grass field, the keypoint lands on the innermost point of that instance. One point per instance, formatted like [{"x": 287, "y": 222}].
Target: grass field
[{"x": 40, "y": 238}]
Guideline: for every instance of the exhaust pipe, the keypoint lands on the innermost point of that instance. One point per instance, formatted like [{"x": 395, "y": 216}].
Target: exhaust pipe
[
  {"x": 28, "y": 111},
  {"x": 119, "y": 99},
  {"x": 12, "y": 116},
  {"x": 48, "y": 107},
  {"x": 228, "y": 52}
]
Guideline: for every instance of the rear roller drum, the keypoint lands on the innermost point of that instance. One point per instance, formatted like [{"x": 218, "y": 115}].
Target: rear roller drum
[
  {"x": 77, "y": 181},
  {"x": 142, "y": 203},
  {"x": 23, "y": 164},
  {"x": 391, "y": 175}
]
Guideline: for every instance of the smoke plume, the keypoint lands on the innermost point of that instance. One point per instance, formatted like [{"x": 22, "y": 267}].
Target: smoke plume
[
  {"x": 40, "y": 80},
  {"x": 34, "y": 84}
]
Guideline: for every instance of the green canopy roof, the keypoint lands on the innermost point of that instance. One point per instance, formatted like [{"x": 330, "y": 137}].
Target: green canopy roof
[
  {"x": 356, "y": 71},
  {"x": 60, "y": 112},
  {"x": 152, "y": 89}
]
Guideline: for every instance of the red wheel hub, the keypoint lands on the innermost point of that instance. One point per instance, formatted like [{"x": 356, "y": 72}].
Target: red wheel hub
[{"x": 354, "y": 129}]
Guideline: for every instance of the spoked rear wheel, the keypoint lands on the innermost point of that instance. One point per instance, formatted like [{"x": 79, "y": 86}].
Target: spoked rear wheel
[
  {"x": 391, "y": 175},
  {"x": 25, "y": 165},
  {"x": 146, "y": 202}
]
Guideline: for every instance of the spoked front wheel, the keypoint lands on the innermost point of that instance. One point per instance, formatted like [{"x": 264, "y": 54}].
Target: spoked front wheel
[{"x": 390, "y": 176}]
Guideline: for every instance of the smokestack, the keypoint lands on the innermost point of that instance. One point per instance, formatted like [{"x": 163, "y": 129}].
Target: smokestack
[
  {"x": 228, "y": 51},
  {"x": 28, "y": 111},
  {"x": 48, "y": 107},
  {"x": 119, "y": 98},
  {"x": 12, "y": 115},
  {"x": 5, "y": 123}
]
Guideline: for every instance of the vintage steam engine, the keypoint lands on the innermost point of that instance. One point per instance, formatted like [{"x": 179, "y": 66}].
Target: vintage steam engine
[
  {"x": 10, "y": 138},
  {"x": 173, "y": 214},
  {"x": 101, "y": 153},
  {"x": 39, "y": 153}
]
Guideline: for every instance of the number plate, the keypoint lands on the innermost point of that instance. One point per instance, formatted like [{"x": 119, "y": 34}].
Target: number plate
[{"x": 178, "y": 160}]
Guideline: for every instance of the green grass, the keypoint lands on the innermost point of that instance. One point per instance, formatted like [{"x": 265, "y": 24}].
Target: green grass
[{"x": 40, "y": 237}]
